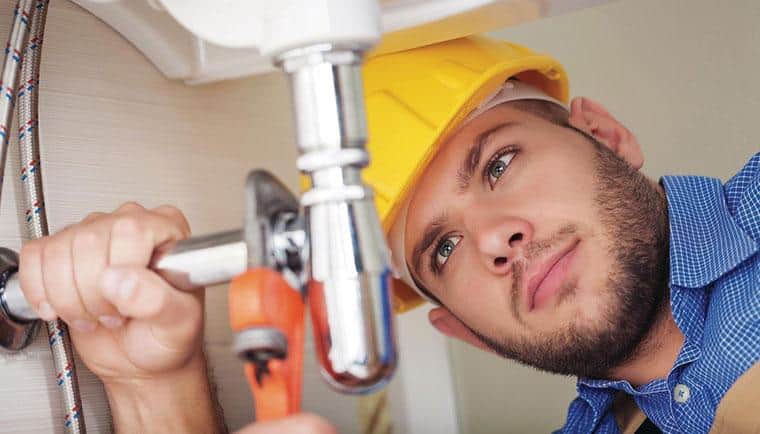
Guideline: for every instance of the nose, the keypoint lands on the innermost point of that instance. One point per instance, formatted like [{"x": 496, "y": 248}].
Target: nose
[{"x": 499, "y": 239}]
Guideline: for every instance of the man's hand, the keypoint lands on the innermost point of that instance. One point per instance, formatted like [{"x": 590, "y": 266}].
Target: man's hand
[
  {"x": 142, "y": 337},
  {"x": 298, "y": 424},
  {"x": 126, "y": 322}
]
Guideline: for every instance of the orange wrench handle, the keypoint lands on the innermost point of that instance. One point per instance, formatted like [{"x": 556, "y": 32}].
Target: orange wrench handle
[{"x": 260, "y": 297}]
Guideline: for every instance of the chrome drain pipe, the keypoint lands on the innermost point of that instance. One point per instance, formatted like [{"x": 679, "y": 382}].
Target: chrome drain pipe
[{"x": 349, "y": 277}]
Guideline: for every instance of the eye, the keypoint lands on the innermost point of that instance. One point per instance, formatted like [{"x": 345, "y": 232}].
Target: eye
[
  {"x": 498, "y": 166},
  {"x": 445, "y": 249}
]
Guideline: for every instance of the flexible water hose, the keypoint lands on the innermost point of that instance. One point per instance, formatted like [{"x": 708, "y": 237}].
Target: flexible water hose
[
  {"x": 36, "y": 218},
  {"x": 16, "y": 43}
]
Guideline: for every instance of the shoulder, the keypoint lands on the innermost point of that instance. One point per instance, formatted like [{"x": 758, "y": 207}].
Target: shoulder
[
  {"x": 732, "y": 323},
  {"x": 734, "y": 306},
  {"x": 743, "y": 194},
  {"x": 747, "y": 175}
]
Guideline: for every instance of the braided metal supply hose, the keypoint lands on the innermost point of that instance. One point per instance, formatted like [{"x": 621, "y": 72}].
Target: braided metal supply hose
[
  {"x": 16, "y": 43},
  {"x": 36, "y": 218}
]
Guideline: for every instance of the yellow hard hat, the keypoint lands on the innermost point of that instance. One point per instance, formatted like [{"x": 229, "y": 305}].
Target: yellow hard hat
[{"x": 415, "y": 98}]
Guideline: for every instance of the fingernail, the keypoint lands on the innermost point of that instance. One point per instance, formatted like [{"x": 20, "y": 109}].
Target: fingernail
[
  {"x": 46, "y": 311},
  {"x": 111, "y": 322},
  {"x": 127, "y": 286},
  {"x": 83, "y": 325},
  {"x": 110, "y": 283},
  {"x": 118, "y": 284}
]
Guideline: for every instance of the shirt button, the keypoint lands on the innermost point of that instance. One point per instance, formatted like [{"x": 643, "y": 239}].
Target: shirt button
[{"x": 681, "y": 393}]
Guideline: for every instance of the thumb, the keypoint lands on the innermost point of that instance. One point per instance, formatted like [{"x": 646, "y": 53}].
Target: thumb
[
  {"x": 164, "y": 325},
  {"x": 173, "y": 316},
  {"x": 139, "y": 293},
  {"x": 296, "y": 424}
]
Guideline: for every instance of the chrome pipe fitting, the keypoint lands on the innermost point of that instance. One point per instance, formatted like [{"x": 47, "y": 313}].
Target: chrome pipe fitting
[
  {"x": 18, "y": 324},
  {"x": 202, "y": 261},
  {"x": 349, "y": 278}
]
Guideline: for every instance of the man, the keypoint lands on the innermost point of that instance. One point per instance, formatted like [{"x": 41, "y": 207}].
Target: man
[{"x": 526, "y": 222}]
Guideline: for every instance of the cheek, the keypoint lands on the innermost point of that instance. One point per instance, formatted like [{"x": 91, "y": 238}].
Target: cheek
[
  {"x": 475, "y": 297},
  {"x": 555, "y": 185},
  {"x": 593, "y": 266}
]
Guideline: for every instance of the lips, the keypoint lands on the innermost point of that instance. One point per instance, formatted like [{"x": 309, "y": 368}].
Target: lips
[{"x": 545, "y": 278}]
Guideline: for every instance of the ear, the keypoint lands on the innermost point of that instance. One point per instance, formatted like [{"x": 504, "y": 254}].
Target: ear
[
  {"x": 446, "y": 323},
  {"x": 593, "y": 119}
]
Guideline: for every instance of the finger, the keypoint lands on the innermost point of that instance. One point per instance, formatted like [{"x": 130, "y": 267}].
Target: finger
[
  {"x": 175, "y": 215},
  {"x": 60, "y": 288},
  {"x": 134, "y": 237},
  {"x": 30, "y": 279},
  {"x": 89, "y": 218},
  {"x": 89, "y": 250},
  {"x": 296, "y": 424}
]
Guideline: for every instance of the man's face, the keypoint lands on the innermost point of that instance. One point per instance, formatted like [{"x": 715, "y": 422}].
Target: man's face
[{"x": 525, "y": 230}]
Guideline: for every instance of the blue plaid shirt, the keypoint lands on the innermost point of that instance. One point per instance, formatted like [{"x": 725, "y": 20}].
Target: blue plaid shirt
[{"x": 715, "y": 299}]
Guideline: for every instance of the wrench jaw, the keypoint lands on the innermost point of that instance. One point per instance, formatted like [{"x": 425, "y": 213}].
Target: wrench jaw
[
  {"x": 267, "y": 315},
  {"x": 260, "y": 345}
]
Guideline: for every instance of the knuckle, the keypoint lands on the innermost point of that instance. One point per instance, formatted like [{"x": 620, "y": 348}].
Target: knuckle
[
  {"x": 176, "y": 216},
  {"x": 34, "y": 299},
  {"x": 169, "y": 209},
  {"x": 93, "y": 216},
  {"x": 85, "y": 240},
  {"x": 129, "y": 226},
  {"x": 130, "y": 206},
  {"x": 67, "y": 308},
  {"x": 67, "y": 228},
  {"x": 54, "y": 252}
]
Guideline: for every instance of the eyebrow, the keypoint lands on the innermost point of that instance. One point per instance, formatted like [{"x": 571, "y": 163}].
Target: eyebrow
[
  {"x": 432, "y": 231},
  {"x": 472, "y": 159}
]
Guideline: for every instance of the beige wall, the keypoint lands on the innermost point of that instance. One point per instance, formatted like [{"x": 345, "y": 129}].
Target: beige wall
[
  {"x": 682, "y": 74},
  {"x": 114, "y": 129}
]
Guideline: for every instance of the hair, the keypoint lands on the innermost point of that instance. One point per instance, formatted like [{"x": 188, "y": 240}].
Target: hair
[{"x": 553, "y": 113}]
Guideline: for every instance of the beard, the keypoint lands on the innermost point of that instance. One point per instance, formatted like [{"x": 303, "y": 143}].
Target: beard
[{"x": 634, "y": 215}]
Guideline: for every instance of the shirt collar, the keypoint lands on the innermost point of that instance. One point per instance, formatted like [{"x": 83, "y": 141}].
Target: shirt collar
[{"x": 705, "y": 241}]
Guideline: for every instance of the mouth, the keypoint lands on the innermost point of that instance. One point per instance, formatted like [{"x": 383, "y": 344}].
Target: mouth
[{"x": 545, "y": 278}]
